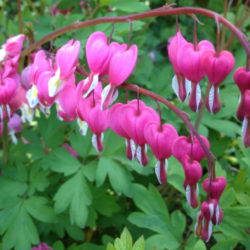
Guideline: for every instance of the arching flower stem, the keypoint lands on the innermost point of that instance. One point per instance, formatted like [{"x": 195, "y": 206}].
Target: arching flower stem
[{"x": 163, "y": 11}]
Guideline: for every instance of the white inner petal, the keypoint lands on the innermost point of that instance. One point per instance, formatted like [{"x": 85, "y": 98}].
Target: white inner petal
[
  {"x": 2, "y": 54},
  {"x": 114, "y": 97},
  {"x": 157, "y": 170},
  {"x": 198, "y": 96},
  {"x": 13, "y": 136},
  {"x": 1, "y": 113},
  {"x": 83, "y": 126},
  {"x": 8, "y": 110},
  {"x": 197, "y": 189},
  {"x": 166, "y": 165},
  {"x": 139, "y": 154},
  {"x": 244, "y": 128},
  {"x": 54, "y": 83},
  {"x": 105, "y": 92},
  {"x": 211, "y": 210},
  {"x": 217, "y": 214},
  {"x": 94, "y": 142},
  {"x": 44, "y": 109},
  {"x": 188, "y": 194},
  {"x": 92, "y": 85},
  {"x": 175, "y": 86},
  {"x": 31, "y": 96},
  {"x": 188, "y": 87},
  {"x": 211, "y": 99},
  {"x": 239, "y": 99},
  {"x": 210, "y": 230},
  {"x": 133, "y": 148},
  {"x": 27, "y": 113},
  {"x": 197, "y": 221}
]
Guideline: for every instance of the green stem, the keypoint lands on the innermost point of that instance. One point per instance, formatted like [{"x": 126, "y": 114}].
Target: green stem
[
  {"x": 20, "y": 16},
  {"x": 5, "y": 142},
  {"x": 201, "y": 111}
]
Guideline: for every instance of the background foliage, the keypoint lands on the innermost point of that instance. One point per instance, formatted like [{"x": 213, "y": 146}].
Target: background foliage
[{"x": 49, "y": 196}]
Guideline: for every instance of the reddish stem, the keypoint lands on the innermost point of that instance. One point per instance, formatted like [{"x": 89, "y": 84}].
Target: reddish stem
[
  {"x": 248, "y": 64},
  {"x": 138, "y": 99},
  {"x": 159, "y": 110},
  {"x": 177, "y": 24},
  {"x": 195, "y": 35},
  {"x": 163, "y": 11}
]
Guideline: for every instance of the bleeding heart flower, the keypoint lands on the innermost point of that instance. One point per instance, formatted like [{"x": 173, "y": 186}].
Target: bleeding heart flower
[
  {"x": 135, "y": 118},
  {"x": 183, "y": 146},
  {"x": 216, "y": 188},
  {"x": 97, "y": 119},
  {"x": 160, "y": 139},
  {"x": 66, "y": 62},
  {"x": 12, "y": 47},
  {"x": 189, "y": 62},
  {"x": 208, "y": 209},
  {"x": 8, "y": 88},
  {"x": 216, "y": 67},
  {"x": 115, "y": 119},
  {"x": 180, "y": 84},
  {"x": 121, "y": 66},
  {"x": 193, "y": 173},
  {"x": 40, "y": 65},
  {"x": 246, "y": 120},
  {"x": 67, "y": 102},
  {"x": 18, "y": 99},
  {"x": 25, "y": 77},
  {"x": 242, "y": 79},
  {"x": 97, "y": 53}
]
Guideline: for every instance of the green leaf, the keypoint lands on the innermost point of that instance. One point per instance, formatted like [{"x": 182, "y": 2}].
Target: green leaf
[
  {"x": 38, "y": 178},
  {"x": 161, "y": 242},
  {"x": 103, "y": 202},
  {"x": 75, "y": 194},
  {"x": 37, "y": 207},
  {"x": 225, "y": 127},
  {"x": 228, "y": 244},
  {"x": 65, "y": 4},
  {"x": 129, "y": 5},
  {"x": 81, "y": 144},
  {"x": 235, "y": 221},
  {"x": 51, "y": 129},
  {"x": 110, "y": 247},
  {"x": 21, "y": 232},
  {"x": 10, "y": 188},
  {"x": 139, "y": 244},
  {"x": 61, "y": 161},
  {"x": 178, "y": 221},
  {"x": 200, "y": 245},
  {"x": 119, "y": 177},
  {"x": 239, "y": 180},
  {"x": 64, "y": 225},
  {"x": 106, "y": 2},
  {"x": 155, "y": 216},
  {"x": 125, "y": 242},
  {"x": 58, "y": 245}
]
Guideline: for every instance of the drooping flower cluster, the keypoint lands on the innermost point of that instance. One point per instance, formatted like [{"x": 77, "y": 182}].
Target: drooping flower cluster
[
  {"x": 210, "y": 213},
  {"x": 242, "y": 79},
  {"x": 191, "y": 63},
  {"x": 10, "y": 84},
  {"x": 190, "y": 153},
  {"x": 49, "y": 80}
]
